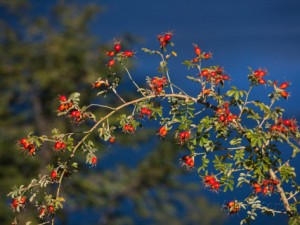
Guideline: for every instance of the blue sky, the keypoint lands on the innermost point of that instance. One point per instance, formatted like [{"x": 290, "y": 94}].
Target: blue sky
[{"x": 240, "y": 34}]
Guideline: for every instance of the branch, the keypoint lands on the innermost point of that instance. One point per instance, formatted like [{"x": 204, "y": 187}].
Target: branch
[
  {"x": 181, "y": 96},
  {"x": 282, "y": 193}
]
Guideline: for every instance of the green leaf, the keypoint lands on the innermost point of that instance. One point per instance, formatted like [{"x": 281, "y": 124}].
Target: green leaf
[
  {"x": 295, "y": 220},
  {"x": 235, "y": 141}
]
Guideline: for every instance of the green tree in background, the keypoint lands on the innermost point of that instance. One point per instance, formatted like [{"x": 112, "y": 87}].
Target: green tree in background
[{"x": 41, "y": 56}]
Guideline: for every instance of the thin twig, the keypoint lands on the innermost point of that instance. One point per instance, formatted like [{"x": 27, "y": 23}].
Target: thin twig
[
  {"x": 167, "y": 72},
  {"x": 114, "y": 90},
  {"x": 130, "y": 77},
  {"x": 246, "y": 101},
  {"x": 98, "y": 105}
]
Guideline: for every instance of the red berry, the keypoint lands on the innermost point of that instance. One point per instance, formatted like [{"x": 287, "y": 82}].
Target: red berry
[
  {"x": 226, "y": 105},
  {"x": 63, "y": 145},
  {"x": 222, "y": 118},
  {"x": 260, "y": 73},
  {"x": 51, "y": 209},
  {"x": 230, "y": 204},
  {"x": 195, "y": 60},
  {"x": 110, "y": 63},
  {"x": 204, "y": 73},
  {"x": 209, "y": 180},
  {"x": 31, "y": 150},
  {"x": 207, "y": 55},
  {"x": 275, "y": 181},
  {"x": 206, "y": 91},
  {"x": 73, "y": 113},
  {"x": 57, "y": 145},
  {"x": 287, "y": 123},
  {"x": 163, "y": 44},
  {"x": 117, "y": 47},
  {"x": 284, "y": 94},
  {"x": 225, "y": 77},
  {"x": 23, "y": 200},
  {"x": 191, "y": 162},
  {"x": 284, "y": 85},
  {"x": 233, "y": 207},
  {"x": 61, "y": 108},
  {"x": 112, "y": 140},
  {"x": 131, "y": 129},
  {"x": 53, "y": 174},
  {"x": 110, "y": 54},
  {"x": 261, "y": 81},
  {"x": 197, "y": 50},
  {"x": 273, "y": 128},
  {"x": 265, "y": 190},
  {"x": 168, "y": 36},
  {"x": 23, "y": 141},
  {"x": 42, "y": 213},
  {"x": 94, "y": 160},
  {"x": 219, "y": 111},
  {"x": 160, "y": 38},
  {"x": 15, "y": 203},
  {"x": 149, "y": 112},
  {"x": 128, "y": 54},
  {"x": 26, "y": 145},
  {"x": 265, "y": 182},
  {"x": 63, "y": 98},
  {"x": 163, "y": 131},
  {"x": 216, "y": 186}
]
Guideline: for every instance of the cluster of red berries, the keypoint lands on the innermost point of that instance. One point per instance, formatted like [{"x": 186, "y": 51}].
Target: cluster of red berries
[
  {"x": 18, "y": 202},
  {"x": 67, "y": 106},
  {"x": 259, "y": 74},
  {"x": 157, "y": 84},
  {"x": 145, "y": 111},
  {"x": 211, "y": 182},
  {"x": 265, "y": 187},
  {"x": 282, "y": 88},
  {"x": 215, "y": 76},
  {"x": 46, "y": 210},
  {"x": 184, "y": 136},
  {"x": 28, "y": 146},
  {"x": 59, "y": 145},
  {"x": 225, "y": 116},
  {"x": 128, "y": 128},
  {"x": 117, "y": 49},
  {"x": 284, "y": 126},
  {"x": 233, "y": 207},
  {"x": 187, "y": 161},
  {"x": 163, "y": 131},
  {"x": 64, "y": 104},
  {"x": 197, "y": 51},
  {"x": 76, "y": 115},
  {"x": 164, "y": 39}
]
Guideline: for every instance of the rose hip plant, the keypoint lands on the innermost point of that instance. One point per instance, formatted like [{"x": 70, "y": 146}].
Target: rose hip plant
[{"x": 233, "y": 142}]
